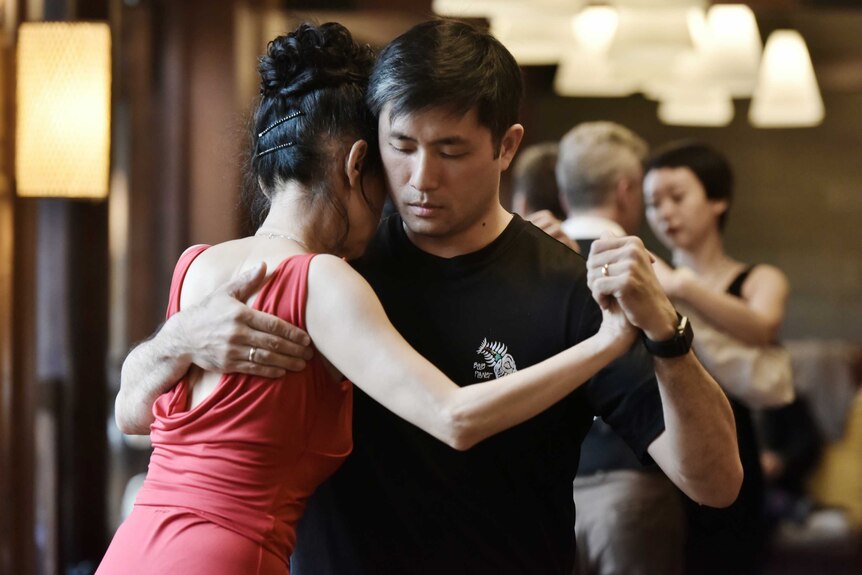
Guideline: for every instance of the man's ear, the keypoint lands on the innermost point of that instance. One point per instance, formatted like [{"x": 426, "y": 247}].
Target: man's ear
[
  {"x": 354, "y": 162},
  {"x": 509, "y": 145},
  {"x": 623, "y": 193}
]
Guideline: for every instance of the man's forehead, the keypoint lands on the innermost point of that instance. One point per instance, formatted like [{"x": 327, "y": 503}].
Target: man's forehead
[{"x": 439, "y": 118}]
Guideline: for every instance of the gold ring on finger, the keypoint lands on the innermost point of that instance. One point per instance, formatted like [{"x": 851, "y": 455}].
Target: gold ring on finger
[{"x": 605, "y": 272}]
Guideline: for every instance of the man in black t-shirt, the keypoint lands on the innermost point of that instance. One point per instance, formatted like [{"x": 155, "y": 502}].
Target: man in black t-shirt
[{"x": 480, "y": 293}]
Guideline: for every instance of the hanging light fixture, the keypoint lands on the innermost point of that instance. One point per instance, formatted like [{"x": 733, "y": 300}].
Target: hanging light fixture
[
  {"x": 470, "y": 8},
  {"x": 62, "y": 137},
  {"x": 534, "y": 38},
  {"x": 693, "y": 60},
  {"x": 786, "y": 94},
  {"x": 649, "y": 40},
  {"x": 711, "y": 106},
  {"x": 732, "y": 48},
  {"x": 585, "y": 69}
]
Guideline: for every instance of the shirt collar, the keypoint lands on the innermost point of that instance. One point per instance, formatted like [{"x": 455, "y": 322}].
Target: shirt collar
[{"x": 586, "y": 227}]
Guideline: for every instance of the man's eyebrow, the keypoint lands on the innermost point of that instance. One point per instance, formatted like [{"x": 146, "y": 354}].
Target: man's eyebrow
[
  {"x": 400, "y": 136},
  {"x": 444, "y": 141}
]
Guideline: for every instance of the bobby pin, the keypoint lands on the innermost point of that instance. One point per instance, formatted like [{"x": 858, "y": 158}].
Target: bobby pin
[
  {"x": 290, "y": 116},
  {"x": 274, "y": 148}
]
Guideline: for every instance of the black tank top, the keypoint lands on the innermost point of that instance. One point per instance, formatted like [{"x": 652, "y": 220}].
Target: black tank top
[{"x": 729, "y": 540}]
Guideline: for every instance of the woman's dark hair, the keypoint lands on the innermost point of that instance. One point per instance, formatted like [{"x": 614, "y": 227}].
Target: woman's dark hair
[
  {"x": 452, "y": 65},
  {"x": 706, "y": 163},
  {"x": 312, "y": 94}
]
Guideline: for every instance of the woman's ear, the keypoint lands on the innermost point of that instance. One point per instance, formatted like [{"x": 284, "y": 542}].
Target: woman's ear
[
  {"x": 355, "y": 161},
  {"x": 262, "y": 188},
  {"x": 719, "y": 207}
]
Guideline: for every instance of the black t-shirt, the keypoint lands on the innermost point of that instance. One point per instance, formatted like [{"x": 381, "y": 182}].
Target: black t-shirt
[{"x": 404, "y": 502}]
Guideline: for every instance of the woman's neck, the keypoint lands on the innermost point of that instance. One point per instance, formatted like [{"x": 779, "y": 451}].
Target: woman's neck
[
  {"x": 291, "y": 217},
  {"x": 707, "y": 259}
]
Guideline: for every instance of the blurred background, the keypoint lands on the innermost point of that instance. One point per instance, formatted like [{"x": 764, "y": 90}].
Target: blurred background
[{"x": 156, "y": 95}]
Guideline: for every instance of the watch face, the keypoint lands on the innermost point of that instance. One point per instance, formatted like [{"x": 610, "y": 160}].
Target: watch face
[
  {"x": 676, "y": 346},
  {"x": 683, "y": 324}
]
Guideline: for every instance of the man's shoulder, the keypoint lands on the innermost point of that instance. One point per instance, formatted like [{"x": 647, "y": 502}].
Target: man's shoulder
[{"x": 546, "y": 249}]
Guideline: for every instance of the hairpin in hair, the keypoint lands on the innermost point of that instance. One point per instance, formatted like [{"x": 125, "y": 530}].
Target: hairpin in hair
[
  {"x": 274, "y": 148},
  {"x": 290, "y": 116}
]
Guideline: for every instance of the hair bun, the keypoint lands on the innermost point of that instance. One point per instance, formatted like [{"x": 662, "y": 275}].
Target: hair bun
[{"x": 313, "y": 57}]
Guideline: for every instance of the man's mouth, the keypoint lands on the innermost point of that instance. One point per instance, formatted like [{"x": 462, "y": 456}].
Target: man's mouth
[{"x": 423, "y": 209}]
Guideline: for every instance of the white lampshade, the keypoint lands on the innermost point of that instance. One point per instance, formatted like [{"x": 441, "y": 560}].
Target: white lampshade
[
  {"x": 786, "y": 94},
  {"x": 658, "y": 3},
  {"x": 534, "y": 38},
  {"x": 490, "y": 8},
  {"x": 732, "y": 47},
  {"x": 471, "y": 8},
  {"x": 594, "y": 28},
  {"x": 63, "y": 109},
  {"x": 697, "y": 106},
  {"x": 587, "y": 74},
  {"x": 585, "y": 69},
  {"x": 648, "y": 41}
]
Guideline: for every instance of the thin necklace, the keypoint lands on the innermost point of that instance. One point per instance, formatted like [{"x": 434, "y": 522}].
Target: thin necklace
[{"x": 270, "y": 236}]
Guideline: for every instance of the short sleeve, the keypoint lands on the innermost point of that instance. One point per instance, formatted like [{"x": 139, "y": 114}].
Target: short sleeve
[{"x": 625, "y": 394}]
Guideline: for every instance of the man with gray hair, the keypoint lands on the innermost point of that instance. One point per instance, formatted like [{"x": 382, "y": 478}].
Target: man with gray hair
[
  {"x": 599, "y": 175},
  {"x": 620, "y": 503}
]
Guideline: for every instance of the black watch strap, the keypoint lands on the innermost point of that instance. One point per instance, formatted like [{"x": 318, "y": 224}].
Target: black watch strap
[{"x": 676, "y": 346}]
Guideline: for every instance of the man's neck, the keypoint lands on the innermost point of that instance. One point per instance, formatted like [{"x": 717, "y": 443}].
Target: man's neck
[{"x": 461, "y": 242}]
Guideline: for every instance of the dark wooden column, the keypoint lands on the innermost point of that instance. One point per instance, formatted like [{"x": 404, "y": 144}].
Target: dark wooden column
[{"x": 17, "y": 549}]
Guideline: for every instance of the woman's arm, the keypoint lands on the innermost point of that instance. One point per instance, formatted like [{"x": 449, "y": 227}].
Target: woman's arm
[
  {"x": 350, "y": 328},
  {"x": 754, "y": 318}
]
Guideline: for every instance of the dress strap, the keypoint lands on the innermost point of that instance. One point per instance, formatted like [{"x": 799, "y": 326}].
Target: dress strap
[
  {"x": 735, "y": 287},
  {"x": 180, "y": 270}
]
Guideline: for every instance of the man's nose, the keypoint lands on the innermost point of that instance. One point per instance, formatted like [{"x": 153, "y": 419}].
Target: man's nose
[{"x": 425, "y": 174}]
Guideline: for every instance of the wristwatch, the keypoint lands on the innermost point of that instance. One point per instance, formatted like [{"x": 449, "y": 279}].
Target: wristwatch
[{"x": 677, "y": 345}]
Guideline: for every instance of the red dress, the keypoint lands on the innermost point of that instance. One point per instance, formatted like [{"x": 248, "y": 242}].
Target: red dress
[{"x": 228, "y": 479}]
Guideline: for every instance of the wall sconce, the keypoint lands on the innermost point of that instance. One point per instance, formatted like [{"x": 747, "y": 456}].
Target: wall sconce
[
  {"x": 62, "y": 136},
  {"x": 786, "y": 94}
]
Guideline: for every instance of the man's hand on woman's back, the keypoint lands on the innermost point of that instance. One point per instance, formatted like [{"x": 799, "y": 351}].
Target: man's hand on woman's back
[{"x": 218, "y": 334}]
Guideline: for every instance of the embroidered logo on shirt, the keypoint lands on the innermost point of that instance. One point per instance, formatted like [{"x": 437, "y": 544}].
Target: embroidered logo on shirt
[{"x": 497, "y": 358}]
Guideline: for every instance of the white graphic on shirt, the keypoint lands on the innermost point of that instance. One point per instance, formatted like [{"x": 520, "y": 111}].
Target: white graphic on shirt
[{"x": 496, "y": 356}]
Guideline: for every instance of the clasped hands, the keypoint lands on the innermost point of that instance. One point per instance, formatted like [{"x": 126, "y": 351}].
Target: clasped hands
[{"x": 621, "y": 277}]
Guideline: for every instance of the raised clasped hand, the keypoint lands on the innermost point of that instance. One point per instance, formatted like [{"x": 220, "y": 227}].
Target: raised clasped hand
[{"x": 619, "y": 271}]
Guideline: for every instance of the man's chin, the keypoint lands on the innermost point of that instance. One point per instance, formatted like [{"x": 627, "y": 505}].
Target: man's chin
[{"x": 424, "y": 227}]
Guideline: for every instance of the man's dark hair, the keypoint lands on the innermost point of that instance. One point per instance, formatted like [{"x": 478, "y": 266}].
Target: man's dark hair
[
  {"x": 707, "y": 164},
  {"x": 452, "y": 65},
  {"x": 534, "y": 178}
]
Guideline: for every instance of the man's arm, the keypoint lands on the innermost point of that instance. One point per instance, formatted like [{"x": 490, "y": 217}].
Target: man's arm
[
  {"x": 698, "y": 449},
  {"x": 216, "y": 335}
]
